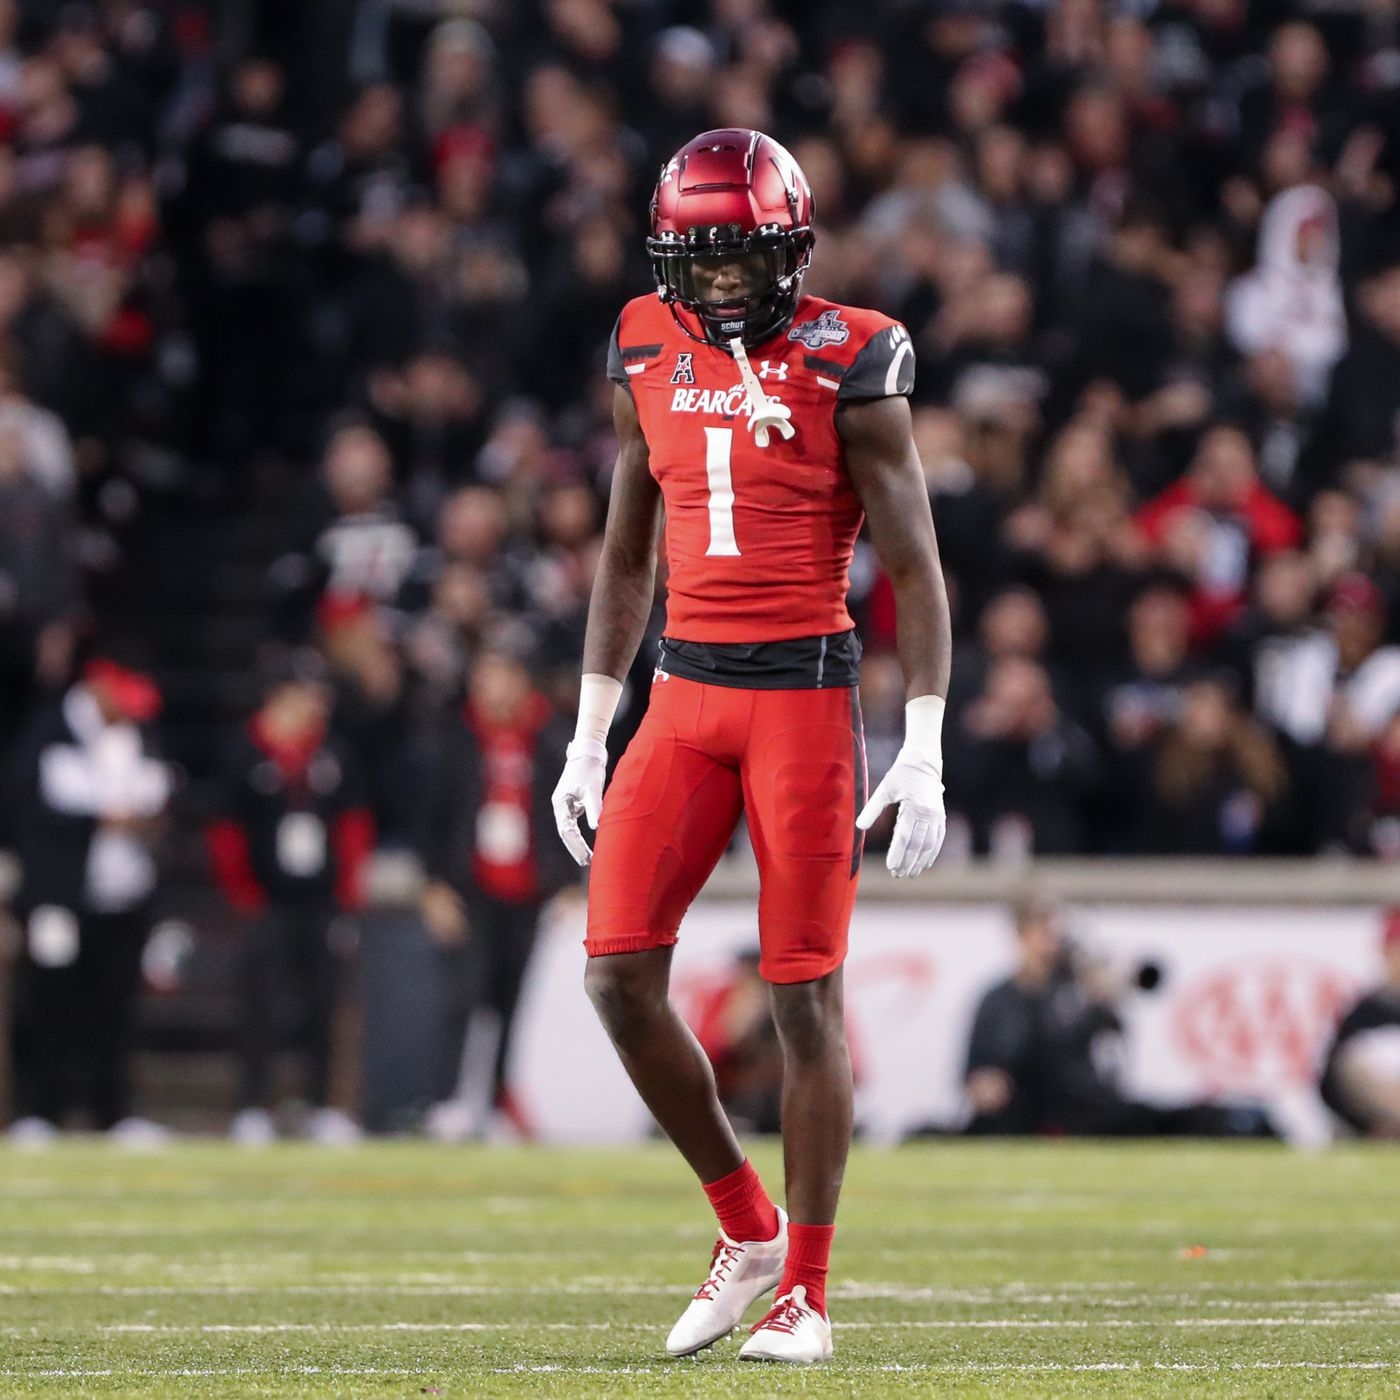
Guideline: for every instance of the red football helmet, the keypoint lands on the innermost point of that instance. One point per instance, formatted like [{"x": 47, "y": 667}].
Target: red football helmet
[{"x": 731, "y": 197}]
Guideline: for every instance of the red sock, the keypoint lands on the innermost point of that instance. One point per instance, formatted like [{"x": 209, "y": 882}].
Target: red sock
[
  {"x": 808, "y": 1257},
  {"x": 742, "y": 1205}
]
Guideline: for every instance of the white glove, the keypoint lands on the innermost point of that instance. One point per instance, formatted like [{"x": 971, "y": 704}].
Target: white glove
[
  {"x": 915, "y": 781},
  {"x": 579, "y": 792}
]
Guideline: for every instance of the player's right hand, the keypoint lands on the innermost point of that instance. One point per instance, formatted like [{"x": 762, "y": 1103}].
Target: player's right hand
[{"x": 579, "y": 793}]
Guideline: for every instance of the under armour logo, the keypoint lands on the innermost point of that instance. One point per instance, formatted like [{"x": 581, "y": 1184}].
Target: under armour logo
[
  {"x": 684, "y": 372},
  {"x": 775, "y": 369}
]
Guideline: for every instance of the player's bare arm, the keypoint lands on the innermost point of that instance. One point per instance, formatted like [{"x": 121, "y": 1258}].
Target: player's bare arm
[
  {"x": 617, "y": 619},
  {"x": 626, "y": 577},
  {"x": 884, "y": 468}
]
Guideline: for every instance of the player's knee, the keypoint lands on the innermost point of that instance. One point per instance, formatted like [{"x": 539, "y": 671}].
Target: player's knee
[
  {"x": 809, "y": 1019},
  {"x": 624, "y": 994}
]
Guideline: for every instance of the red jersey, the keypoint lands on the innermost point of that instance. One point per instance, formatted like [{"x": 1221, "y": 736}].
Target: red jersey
[
  {"x": 503, "y": 861},
  {"x": 758, "y": 539}
]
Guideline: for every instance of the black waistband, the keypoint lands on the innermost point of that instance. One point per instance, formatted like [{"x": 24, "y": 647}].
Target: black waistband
[{"x": 801, "y": 663}]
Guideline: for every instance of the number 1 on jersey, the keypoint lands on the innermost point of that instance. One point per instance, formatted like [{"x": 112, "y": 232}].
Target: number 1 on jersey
[{"x": 718, "y": 442}]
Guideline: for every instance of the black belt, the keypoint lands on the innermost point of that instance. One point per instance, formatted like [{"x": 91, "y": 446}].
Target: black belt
[{"x": 800, "y": 663}]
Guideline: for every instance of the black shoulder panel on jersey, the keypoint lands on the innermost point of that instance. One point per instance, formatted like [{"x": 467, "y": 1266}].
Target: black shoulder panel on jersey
[
  {"x": 833, "y": 369},
  {"x": 883, "y": 369},
  {"x": 616, "y": 372}
]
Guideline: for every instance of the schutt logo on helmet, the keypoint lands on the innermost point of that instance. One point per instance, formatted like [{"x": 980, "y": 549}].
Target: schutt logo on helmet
[{"x": 732, "y": 196}]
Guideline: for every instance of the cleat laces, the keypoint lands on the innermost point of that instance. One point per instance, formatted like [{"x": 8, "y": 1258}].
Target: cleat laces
[
  {"x": 784, "y": 1316},
  {"x": 724, "y": 1258}
]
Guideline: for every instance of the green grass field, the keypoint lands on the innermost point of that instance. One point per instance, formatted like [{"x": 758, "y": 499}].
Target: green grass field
[{"x": 961, "y": 1269}]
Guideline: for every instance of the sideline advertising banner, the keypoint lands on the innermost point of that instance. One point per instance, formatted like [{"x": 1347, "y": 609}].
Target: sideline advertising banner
[{"x": 1247, "y": 1002}]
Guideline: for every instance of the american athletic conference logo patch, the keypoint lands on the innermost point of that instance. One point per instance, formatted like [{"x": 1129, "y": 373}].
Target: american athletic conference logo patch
[
  {"x": 827, "y": 329},
  {"x": 684, "y": 372}
]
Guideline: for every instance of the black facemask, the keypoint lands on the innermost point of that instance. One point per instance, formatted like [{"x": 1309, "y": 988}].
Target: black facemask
[{"x": 771, "y": 261}]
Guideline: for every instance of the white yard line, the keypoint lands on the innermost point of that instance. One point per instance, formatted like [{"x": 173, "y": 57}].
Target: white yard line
[
  {"x": 247, "y": 1272},
  {"x": 430, "y": 1286},
  {"x": 950, "y": 1369},
  {"x": 1333, "y": 1293},
  {"x": 1073, "y": 1294},
  {"x": 336, "y": 1327},
  {"x": 1025, "y": 1368},
  {"x": 327, "y": 1290},
  {"x": 998, "y": 1368},
  {"x": 1328, "y": 1310},
  {"x": 992, "y": 1324}
]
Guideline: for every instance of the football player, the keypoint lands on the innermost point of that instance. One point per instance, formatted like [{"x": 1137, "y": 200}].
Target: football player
[{"x": 763, "y": 426}]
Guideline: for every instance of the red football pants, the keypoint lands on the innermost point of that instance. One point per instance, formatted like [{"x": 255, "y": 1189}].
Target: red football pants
[{"x": 793, "y": 762}]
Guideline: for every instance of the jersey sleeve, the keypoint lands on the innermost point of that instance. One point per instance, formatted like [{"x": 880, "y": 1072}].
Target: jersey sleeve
[
  {"x": 883, "y": 369},
  {"x": 617, "y": 371}
]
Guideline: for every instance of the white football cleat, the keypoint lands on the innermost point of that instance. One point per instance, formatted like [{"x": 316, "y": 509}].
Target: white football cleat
[
  {"x": 31, "y": 1131},
  {"x": 791, "y": 1332},
  {"x": 140, "y": 1134},
  {"x": 739, "y": 1273},
  {"x": 253, "y": 1127},
  {"x": 451, "y": 1120},
  {"x": 332, "y": 1127}
]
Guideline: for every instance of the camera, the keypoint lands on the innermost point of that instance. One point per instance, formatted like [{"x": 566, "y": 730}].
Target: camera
[{"x": 1108, "y": 976}]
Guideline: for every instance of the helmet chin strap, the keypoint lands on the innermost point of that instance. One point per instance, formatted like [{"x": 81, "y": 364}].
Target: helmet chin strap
[{"x": 764, "y": 413}]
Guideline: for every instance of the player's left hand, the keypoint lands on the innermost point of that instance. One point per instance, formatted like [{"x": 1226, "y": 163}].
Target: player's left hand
[
  {"x": 579, "y": 793},
  {"x": 917, "y": 785}
]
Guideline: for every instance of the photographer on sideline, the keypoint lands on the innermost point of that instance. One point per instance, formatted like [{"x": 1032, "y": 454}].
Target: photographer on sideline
[
  {"x": 1361, "y": 1074},
  {"x": 1044, "y": 1042},
  {"x": 1031, "y": 1057}
]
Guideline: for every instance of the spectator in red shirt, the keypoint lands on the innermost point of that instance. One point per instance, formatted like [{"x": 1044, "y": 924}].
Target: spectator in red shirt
[{"x": 1212, "y": 523}]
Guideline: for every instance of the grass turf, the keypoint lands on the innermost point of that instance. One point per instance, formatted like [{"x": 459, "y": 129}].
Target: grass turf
[{"x": 962, "y": 1269}]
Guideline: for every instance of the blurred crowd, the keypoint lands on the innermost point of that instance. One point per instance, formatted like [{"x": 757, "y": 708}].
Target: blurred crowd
[
  {"x": 1146, "y": 251},
  {"x": 362, "y": 258}
]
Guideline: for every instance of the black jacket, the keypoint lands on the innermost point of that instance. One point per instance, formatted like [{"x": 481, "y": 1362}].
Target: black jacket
[
  {"x": 1044, "y": 1040},
  {"x": 1376, "y": 1010},
  {"x": 52, "y": 844},
  {"x": 289, "y": 840},
  {"x": 454, "y": 788}
]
